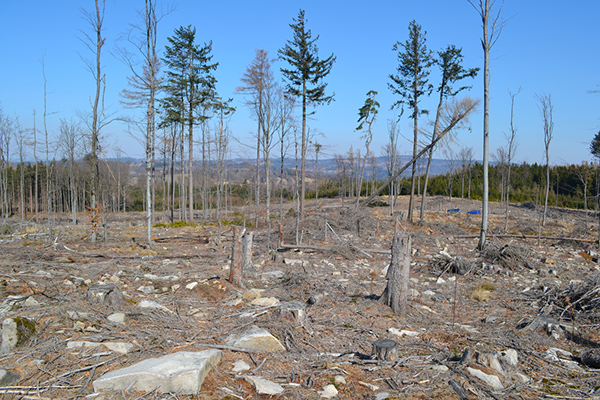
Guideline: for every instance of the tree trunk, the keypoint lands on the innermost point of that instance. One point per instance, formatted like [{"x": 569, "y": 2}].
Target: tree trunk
[
  {"x": 486, "y": 125},
  {"x": 236, "y": 268},
  {"x": 395, "y": 294}
]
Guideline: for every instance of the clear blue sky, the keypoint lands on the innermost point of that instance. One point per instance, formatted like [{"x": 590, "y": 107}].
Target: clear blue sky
[{"x": 546, "y": 47}]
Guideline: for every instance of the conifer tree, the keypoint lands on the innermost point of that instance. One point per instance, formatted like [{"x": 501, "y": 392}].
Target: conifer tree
[{"x": 304, "y": 78}]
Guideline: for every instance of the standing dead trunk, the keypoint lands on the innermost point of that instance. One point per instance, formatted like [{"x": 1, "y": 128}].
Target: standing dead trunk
[
  {"x": 246, "y": 253},
  {"x": 395, "y": 294},
  {"x": 236, "y": 269}
]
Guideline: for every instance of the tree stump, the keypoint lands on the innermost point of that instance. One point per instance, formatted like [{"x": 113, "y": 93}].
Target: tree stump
[
  {"x": 236, "y": 269},
  {"x": 396, "y": 292},
  {"x": 591, "y": 358},
  {"x": 247, "y": 252},
  {"x": 385, "y": 349},
  {"x": 106, "y": 295}
]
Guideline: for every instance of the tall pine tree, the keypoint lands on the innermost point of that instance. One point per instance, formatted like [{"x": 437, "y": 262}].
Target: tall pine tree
[
  {"x": 190, "y": 88},
  {"x": 304, "y": 78}
]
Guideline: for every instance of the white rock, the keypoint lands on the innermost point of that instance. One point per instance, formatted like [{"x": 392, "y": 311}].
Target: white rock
[
  {"x": 440, "y": 281},
  {"x": 117, "y": 347},
  {"x": 509, "y": 357},
  {"x": 491, "y": 380},
  {"x": 153, "y": 305},
  {"x": 369, "y": 385},
  {"x": 117, "y": 318},
  {"x": 240, "y": 366},
  {"x": 258, "y": 339},
  {"x": 78, "y": 314},
  {"x": 264, "y": 386},
  {"x": 382, "y": 396},
  {"x": 414, "y": 293},
  {"x": 520, "y": 377},
  {"x": 340, "y": 380},
  {"x": 191, "y": 285},
  {"x": 328, "y": 392},
  {"x": 181, "y": 372},
  {"x": 402, "y": 332},
  {"x": 265, "y": 301},
  {"x": 146, "y": 289},
  {"x": 429, "y": 293}
]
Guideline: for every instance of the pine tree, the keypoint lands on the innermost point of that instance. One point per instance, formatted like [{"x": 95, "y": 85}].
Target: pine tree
[
  {"x": 305, "y": 80},
  {"x": 411, "y": 84},
  {"x": 190, "y": 88}
]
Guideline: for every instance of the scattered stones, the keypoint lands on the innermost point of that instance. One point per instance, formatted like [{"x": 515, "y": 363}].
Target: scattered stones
[
  {"x": 15, "y": 332},
  {"x": 264, "y": 386},
  {"x": 257, "y": 339},
  {"x": 491, "y": 380},
  {"x": 328, "y": 392},
  {"x": 182, "y": 372}
]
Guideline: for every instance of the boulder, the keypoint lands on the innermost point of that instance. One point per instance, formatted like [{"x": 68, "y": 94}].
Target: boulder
[
  {"x": 8, "y": 377},
  {"x": 181, "y": 372},
  {"x": 15, "y": 332},
  {"x": 257, "y": 339},
  {"x": 491, "y": 380}
]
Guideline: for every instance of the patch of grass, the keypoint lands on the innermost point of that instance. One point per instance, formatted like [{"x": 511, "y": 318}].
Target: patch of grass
[
  {"x": 174, "y": 224},
  {"x": 482, "y": 292}
]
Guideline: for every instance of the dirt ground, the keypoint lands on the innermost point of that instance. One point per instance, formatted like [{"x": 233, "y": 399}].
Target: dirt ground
[{"x": 460, "y": 299}]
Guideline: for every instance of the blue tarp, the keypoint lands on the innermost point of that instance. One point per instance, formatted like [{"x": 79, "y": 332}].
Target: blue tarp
[
  {"x": 474, "y": 212},
  {"x": 454, "y": 210}
]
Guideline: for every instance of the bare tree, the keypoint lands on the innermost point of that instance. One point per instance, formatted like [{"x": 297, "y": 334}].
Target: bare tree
[
  {"x": 144, "y": 84},
  {"x": 366, "y": 116},
  {"x": 492, "y": 27},
  {"x": 546, "y": 112},
  {"x": 512, "y": 148},
  {"x": 392, "y": 156},
  {"x": 21, "y": 141},
  {"x": 70, "y": 135},
  {"x": 466, "y": 162},
  {"x": 95, "y": 42},
  {"x": 6, "y": 130}
]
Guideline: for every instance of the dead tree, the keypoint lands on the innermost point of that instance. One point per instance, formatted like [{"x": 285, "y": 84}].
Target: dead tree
[{"x": 396, "y": 291}]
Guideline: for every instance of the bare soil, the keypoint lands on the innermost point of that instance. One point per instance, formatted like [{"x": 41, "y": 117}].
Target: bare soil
[{"x": 481, "y": 306}]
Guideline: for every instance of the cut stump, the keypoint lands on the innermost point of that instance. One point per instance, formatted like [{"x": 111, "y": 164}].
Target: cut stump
[{"x": 385, "y": 350}]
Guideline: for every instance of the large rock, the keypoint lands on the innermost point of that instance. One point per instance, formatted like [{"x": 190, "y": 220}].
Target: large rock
[
  {"x": 8, "y": 377},
  {"x": 15, "y": 332},
  {"x": 117, "y": 347},
  {"x": 257, "y": 339},
  {"x": 264, "y": 386},
  {"x": 181, "y": 372},
  {"x": 491, "y": 380}
]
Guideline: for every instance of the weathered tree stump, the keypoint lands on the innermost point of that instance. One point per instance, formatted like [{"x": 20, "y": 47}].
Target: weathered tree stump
[
  {"x": 385, "y": 349},
  {"x": 591, "y": 358},
  {"x": 241, "y": 258},
  {"x": 107, "y": 295},
  {"x": 396, "y": 292}
]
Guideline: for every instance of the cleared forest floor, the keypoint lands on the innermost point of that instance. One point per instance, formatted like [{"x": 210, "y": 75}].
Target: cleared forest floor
[{"x": 460, "y": 299}]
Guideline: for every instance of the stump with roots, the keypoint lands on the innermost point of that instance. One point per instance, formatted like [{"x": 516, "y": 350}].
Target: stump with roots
[{"x": 385, "y": 350}]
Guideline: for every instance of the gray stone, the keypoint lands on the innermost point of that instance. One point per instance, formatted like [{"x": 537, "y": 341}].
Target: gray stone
[
  {"x": 265, "y": 301},
  {"x": 491, "y": 380},
  {"x": 146, "y": 289},
  {"x": 15, "y": 332},
  {"x": 117, "y": 318},
  {"x": 340, "y": 380},
  {"x": 328, "y": 392},
  {"x": 264, "y": 386},
  {"x": 509, "y": 357},
  {"x": 382, "y": 396},
  {"x": 240, "y": 366},
  {"x": 117, "y": 347},
  {"x": 153, "y": 305},
  {"x": 8, "y": 377},
  {"x": 257, "y": 339},
  {"x": 181, "y": 372}
]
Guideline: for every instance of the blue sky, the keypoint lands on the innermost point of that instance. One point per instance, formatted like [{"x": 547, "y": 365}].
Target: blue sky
[{"x": 546, "y": 47}]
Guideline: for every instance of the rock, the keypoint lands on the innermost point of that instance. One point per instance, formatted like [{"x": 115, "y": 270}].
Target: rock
[
  {"x": 369, "y": 385},
  {"x": 191, "y": 285},
  {"x": 491, "y": 380},
  {"x": 240, "y": 366},
  {"x": 8, "y": 377},
  {"x": 181, "y": 372},
  {"x": 429, "y": 293},
  {"x": 257, "y": 339},
  {"x": 149, "y": 289},
  {"x": 340, "y": 380},
  {"x": 520, "y": 377},
  {"x": 403, "y": 332},
  {"x": 292, "y": 311},
  {"x": 15, "y": 332},
  {"x": 153, "y": 305},
  {"x": 78, "y": 315},
  {"x": 253, "y": 294},
  {"x": 117, "y": 318},
  {"x": 328, "y": 392},
  {"x": 440, "y": 281},
  {"x": 21, "y": 301},
  {"x": 382, "y": 396},
  {"x": 271, "y": 275},
  {"x": 265, "y": 301},
  {"x": 108, "y": 295},
  {"x": 509, "y": 357},
  {"x": 117, "y": 347},
  {"x": 264, "y": 386}
]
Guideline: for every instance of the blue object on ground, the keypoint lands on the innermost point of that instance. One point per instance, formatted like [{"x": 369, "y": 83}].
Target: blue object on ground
[
  {"x": 454, "y": 210},
  {"x": 474, "y": 212}
]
